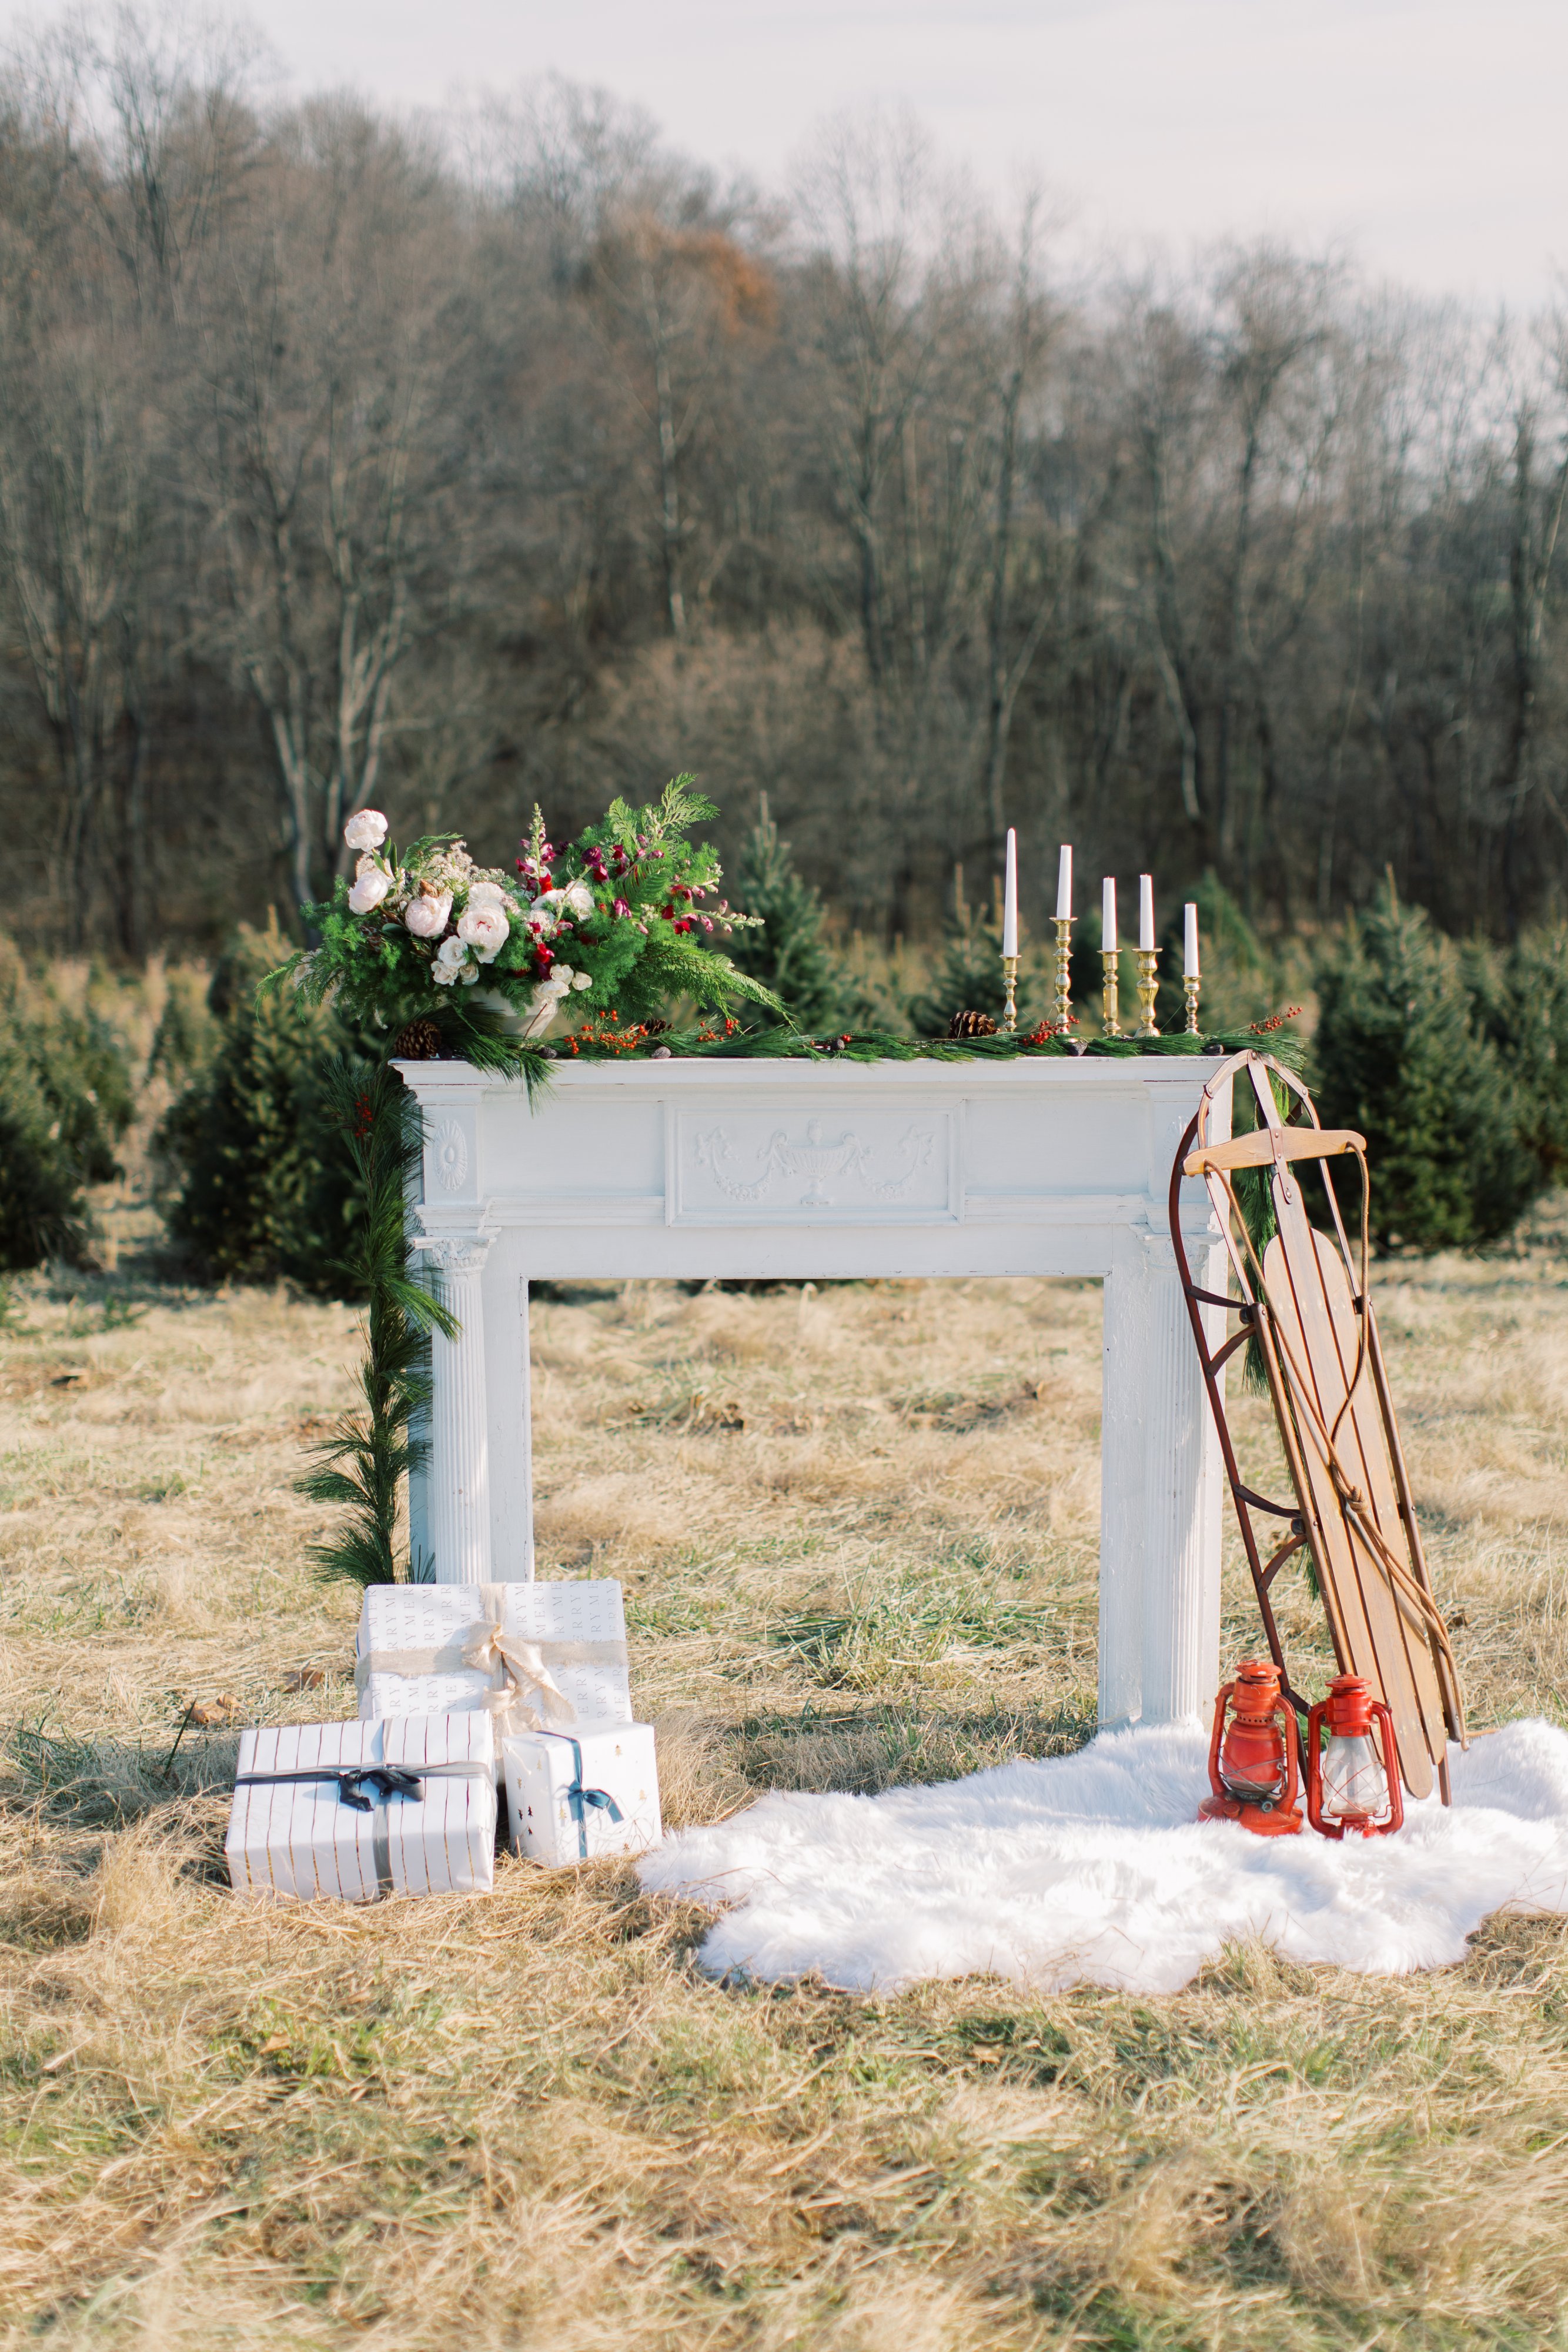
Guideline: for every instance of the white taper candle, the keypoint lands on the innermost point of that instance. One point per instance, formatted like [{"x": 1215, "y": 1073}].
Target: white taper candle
[
  {"x": 1108, "y": 915},
  {"x": 1189, "y": 952},
  {"x": 1065, "y": 885},
  {"x": 1147, "y": 912},
  {"x": 1010, "y": 897}
]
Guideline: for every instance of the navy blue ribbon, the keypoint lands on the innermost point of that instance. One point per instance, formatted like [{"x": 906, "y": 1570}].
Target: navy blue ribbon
[
  {"x": 388, "y": 1780},
  {"x": 579, "y": 1799}
]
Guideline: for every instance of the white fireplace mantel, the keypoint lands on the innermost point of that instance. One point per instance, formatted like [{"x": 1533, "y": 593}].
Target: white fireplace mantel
[{"x": 693, "y": 1168}]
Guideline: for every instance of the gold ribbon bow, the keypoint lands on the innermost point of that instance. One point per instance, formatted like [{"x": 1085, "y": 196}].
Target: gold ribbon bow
[{"x": 489, "y": 1647}]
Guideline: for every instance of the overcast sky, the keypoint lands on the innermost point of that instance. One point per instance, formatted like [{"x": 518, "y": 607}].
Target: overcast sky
[{"x": 1427, "y": 135}]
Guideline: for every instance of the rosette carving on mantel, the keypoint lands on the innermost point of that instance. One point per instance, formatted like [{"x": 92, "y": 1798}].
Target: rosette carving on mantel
[{"x": 449, "y": 1154}]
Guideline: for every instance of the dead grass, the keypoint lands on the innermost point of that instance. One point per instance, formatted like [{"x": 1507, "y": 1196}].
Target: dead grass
[{"x": 857, "y": 1531}]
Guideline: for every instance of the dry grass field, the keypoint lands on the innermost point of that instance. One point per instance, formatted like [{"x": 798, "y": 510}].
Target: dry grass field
[{"x": 857, "y": 1531}]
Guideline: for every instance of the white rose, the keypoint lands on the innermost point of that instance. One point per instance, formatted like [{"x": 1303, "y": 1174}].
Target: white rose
[
  {"x": 542, "y": 1006},
  {"x": 582, "y": 980},
  {"x": 484, "y": 927},
  {"x": 450, "y": 958},
  {"x": 426, "y": 918},
  {"x": 541, "y": 921},
  {"x": 367, "y": 830},
  {"x": 561, "y": 979},
  {"x": 487, "y": 893},
  {"x": 576, "y": 899},
  {"x": 368, "y": 890}
]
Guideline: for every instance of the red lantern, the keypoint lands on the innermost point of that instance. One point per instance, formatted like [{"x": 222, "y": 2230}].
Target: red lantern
[
  {"x": 1254, "y": 1761},
  {"x": 1351, "y": 1790}
]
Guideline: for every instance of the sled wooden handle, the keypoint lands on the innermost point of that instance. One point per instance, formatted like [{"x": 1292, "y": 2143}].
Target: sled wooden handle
[{"x": 1266, "y": 1146}]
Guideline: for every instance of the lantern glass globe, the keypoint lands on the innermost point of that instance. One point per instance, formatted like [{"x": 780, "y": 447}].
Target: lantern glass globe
[{"x": 1354, "y": 1786}]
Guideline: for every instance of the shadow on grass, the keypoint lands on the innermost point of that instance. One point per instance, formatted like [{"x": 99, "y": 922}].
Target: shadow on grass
[{"x": 106, "y": 1784}]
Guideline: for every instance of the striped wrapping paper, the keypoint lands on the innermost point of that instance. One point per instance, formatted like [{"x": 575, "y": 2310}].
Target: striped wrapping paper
[{"x": 300, "y": 1839}]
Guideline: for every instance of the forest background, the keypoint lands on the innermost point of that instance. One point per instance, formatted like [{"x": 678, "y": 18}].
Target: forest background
[{"x": 524, "y": 459}]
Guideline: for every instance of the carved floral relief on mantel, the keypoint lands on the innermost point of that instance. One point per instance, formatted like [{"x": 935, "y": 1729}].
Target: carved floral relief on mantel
[{"x": 751, "y": 1162}]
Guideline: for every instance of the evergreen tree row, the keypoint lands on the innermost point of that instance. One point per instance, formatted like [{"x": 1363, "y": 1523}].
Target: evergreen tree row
[{"x": 1451, "y": 1059}]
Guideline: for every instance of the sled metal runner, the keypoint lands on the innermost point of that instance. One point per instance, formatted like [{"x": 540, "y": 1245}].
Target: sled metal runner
[{"x": 1303, "y": 1294}]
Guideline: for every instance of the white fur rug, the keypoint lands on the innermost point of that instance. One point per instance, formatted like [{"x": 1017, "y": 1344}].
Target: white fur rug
[{"x": 1090, "y": 1868}]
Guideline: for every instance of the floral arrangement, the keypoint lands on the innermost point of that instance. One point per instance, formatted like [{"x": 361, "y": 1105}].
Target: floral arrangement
[{"x": 470, "y": 959}]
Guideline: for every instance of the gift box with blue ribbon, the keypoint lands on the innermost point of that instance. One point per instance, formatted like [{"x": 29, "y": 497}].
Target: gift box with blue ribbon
[
  {"x": 574, "y": 1796},
  {"x": 360, "y": 1810}
]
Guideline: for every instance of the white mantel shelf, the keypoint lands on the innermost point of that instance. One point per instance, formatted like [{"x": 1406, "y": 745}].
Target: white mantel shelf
[{"x": 691, "y": 1169}]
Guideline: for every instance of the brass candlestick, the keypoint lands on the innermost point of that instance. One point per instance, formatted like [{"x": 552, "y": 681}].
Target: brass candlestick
[
  {"x": 1189, "y": 982},
  {"x": 1148, "y": 989},
  {"x": 1010, "y": 982},
  {"x": 1110, "y": 993},
  {"x": 1064, "y": 971}
]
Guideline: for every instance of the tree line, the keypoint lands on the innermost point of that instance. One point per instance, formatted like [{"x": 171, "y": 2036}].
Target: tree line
[{"x": 524, "y": 459}]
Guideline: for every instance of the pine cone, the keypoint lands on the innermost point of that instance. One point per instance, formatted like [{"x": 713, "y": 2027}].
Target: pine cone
[
  {"x": 418, "y": 1041},
  {"x": 971, "y": 1024}
]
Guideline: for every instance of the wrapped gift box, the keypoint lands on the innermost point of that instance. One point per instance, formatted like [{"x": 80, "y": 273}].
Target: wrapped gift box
[
  {"x": 571, "y": 1797},
  {"x": 317, "y": 1811},
  {"x": 430, "y": 1649}
]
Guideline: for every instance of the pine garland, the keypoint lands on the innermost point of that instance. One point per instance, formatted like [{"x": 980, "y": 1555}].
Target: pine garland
[
  {"x": 371, "y": 1451},
  {"x": 593, "y": 1042}
]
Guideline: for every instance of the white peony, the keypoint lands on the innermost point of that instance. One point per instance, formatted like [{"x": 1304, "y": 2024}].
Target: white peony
[
  {"x": 369, "y": 888},
  {"x": 366, "y": 830},
  {"x": 426, "y": 918},
  {"x": 484, "y": 927},
  {"x": 450, "y": 958},
  {"x": 582, "y": 980},
  {"x": 561, "y": 979},
  {"x": 541, "y": 921},
  {"x": 487, "y": 893}
]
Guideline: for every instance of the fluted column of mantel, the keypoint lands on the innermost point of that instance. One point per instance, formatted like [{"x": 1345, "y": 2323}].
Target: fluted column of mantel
[
  {"x": 1123, "y": 1450},
  {"x": 1182, "y": 1501},
  {"x": 458, "y": 1506}
]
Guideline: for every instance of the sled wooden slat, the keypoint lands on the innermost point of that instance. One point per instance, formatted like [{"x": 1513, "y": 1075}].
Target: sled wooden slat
[
  {"x": 1297, "y": 1277},
  {"x": 1301, "y": 1294},
  {"x": 1375, "y": 1439}
]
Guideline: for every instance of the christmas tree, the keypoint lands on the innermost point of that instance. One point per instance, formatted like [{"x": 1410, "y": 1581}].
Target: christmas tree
[
  {"x": 1401, "y": 1054},
  {"x": 788, "y": 954},
  {"x": 968, "y": 977},
  {"x": 257, "y": 1174}
]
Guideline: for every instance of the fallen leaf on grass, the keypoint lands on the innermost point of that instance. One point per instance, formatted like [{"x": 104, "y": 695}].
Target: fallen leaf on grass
[
  {"x": 300, "y": 1678},
  {"x": 208, "y": 1713}
]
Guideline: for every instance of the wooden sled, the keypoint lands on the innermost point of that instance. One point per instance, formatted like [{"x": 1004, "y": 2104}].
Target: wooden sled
[{"x": 1304, "y": 1296}]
